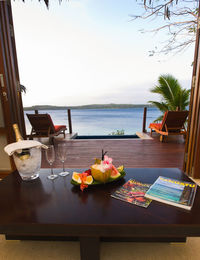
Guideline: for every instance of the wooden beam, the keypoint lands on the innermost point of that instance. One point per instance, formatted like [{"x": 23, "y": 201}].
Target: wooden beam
[
  {"x": 191, "y": 150},
  {"x": 69, "y": 120},
  {"x": 144, "y": 120}
]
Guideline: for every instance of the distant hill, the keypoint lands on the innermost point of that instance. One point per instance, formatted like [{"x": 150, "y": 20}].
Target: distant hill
[{"x": 93, "y": 106}]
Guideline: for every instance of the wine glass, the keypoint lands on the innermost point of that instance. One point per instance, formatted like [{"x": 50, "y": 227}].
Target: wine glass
[
  {"x": 62, "y": 156},
  {"x": 50, "y": 157}
]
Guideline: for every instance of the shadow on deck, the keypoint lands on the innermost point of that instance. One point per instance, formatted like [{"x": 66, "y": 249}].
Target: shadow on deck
[{"x": 137, "y": 153}]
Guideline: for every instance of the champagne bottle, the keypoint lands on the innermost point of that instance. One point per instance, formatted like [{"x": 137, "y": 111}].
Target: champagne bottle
[{"x": 22, "y": 154}]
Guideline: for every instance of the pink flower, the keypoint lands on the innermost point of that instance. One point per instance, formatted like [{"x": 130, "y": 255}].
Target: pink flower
[{"x": 107, "y": 160}]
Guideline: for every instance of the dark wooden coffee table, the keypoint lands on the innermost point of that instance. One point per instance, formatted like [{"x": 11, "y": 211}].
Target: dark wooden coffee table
[{"x": 44, "y": 209}]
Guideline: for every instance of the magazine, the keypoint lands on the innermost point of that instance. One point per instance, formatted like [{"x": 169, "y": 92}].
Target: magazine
[
  {"x": 173, "y": 192},
  {"x": 133, "y": 192}
]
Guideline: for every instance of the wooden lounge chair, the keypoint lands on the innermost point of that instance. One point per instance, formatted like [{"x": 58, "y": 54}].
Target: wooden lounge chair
[
  {"x": 172, "y": 124},
  {"x": 42, "y": 126}
]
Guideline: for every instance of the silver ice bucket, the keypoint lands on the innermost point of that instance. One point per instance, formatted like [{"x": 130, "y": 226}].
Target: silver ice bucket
[
  {"x": 29, "y": 168},
  {"x": 27, "y": 157}
]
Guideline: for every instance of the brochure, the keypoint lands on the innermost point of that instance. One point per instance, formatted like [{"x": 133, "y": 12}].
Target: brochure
[
  {"x": 174, "y": 192},
  {"x": 133, "y": 192}
]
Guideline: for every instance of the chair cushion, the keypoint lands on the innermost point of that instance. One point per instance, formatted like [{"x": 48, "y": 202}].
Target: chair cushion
[
  {"x": 164, "y": 118},
  {"x": 155, "y": 125},
  {"x": 59, "y": 127},
  {"x": 159, "y": 126}
]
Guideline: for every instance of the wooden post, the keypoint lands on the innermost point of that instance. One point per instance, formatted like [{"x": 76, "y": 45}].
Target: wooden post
[
  {"x": 36, "y": 112},
  {"x": 144, "y": 120},
  {"x": 69, "y": 120}
]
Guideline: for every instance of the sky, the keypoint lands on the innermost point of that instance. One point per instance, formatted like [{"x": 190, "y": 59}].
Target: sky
[{"x": 90, "y": 52}]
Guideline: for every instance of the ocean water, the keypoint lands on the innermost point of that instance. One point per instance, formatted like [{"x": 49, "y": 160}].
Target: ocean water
[{"x": 101, "y": 121}]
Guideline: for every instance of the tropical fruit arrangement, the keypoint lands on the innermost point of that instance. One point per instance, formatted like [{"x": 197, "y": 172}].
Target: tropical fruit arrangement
[{"x": 102, "y": 171}]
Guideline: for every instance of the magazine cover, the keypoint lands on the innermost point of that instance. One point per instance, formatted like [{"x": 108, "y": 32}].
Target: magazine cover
[
  {"x": 173, "y": 192},
  {"x": 133, "y": 192}
]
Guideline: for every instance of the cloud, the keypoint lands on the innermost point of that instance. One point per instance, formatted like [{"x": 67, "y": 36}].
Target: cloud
[{"x": 66, "y": 57}]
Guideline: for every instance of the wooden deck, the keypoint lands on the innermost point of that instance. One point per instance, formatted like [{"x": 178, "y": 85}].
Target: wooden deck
[{"x": 130, "y": 153}]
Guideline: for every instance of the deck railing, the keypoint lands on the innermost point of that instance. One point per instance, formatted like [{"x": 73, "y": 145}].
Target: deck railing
[
  {"x": 69, "y": 120},
  {"x": 144, "y": 120}
]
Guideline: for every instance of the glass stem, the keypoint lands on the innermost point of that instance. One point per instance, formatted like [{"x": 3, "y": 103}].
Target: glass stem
[
  {"x": 63, "y": 166},
  {"x": 51, "y": 170}
]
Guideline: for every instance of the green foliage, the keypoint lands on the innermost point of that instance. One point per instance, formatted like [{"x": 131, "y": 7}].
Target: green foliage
[
  {"x": 173, "y": 96},
  {"x": 118, "y": 132},
  {"x": 22, "y": 89}
]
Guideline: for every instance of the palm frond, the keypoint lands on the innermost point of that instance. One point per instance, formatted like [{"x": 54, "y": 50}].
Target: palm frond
[
  {"x": 172, "y": 95},
  {"x": 47, "y": 2},
  {"x": 158, "y": 119},
  {"x": 22, "y": 88},
  {"x": 160, "y": 105}
]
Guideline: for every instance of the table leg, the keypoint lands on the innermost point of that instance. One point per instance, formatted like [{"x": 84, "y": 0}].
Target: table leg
[{"x": 90, "y": 248}]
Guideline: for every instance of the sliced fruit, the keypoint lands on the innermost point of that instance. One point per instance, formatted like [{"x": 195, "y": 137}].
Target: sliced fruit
[
  {"x": 120, "y": 168},
  {"x": 97, "y": 161},
  {"x": 114, "y": 173},
  {"x": 99, "y": 173},
  {"x": 89, "y": 180},
  {"x": 88, "y": 172},
  {"x": 76, "y": 177}
]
